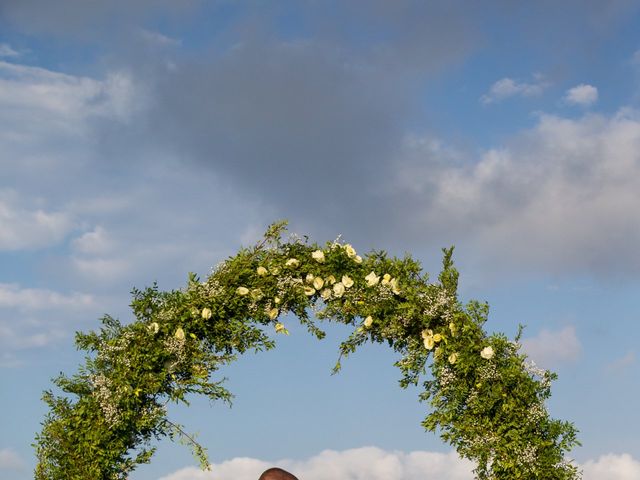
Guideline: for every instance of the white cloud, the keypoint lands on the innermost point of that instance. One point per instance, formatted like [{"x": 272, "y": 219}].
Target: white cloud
[
  {"x": 559, "y": 198},
  {"x": 549, "y": 348},
  {"x": 583, "y": 95},
  {"x": 34, "y": 299},
  {"x": 7, "y": 51},
  {"x": 612, "y": 467},
  {"x": 10, "y": 460},
  {"x": 366, "y": 463},
  {"x": 24, "y": 228},
  {"x": 157, "y": 38},
  {"x": 507, "y": 87},
  {"x": 622, "y": 363}
]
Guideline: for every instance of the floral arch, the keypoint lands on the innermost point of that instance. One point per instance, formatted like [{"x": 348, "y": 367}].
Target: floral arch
[{"x": 486, "y": 400}]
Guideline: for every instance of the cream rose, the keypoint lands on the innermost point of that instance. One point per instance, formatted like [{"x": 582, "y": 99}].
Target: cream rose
[
  {"x": 338, "y": 289},
  {"x": 154, "y": 327},
  {"x": 453, "y": 358},
  {"x": 179, "y": 333},
  {"x": 326, "y": 293},
  {"x": 309, "y": 278},
  {"x": 206, "y": 313},
  {"x": 368, "y": 321},
  {"x": 308, "y": 291},
  {"x": 242, "y": 290},
  {"x": 386, "y": 278},
  {"x": 357, "y": 259},
  {"x": 350, "y": 251},
  {"x": 318, "y": 256},
  {"x": 487, "y": 353},
  {"x": 292, "y": 262},
  {"x": 261, "y": 271},
  {"x": 273, "y": 313},
  {"x": 347, "y": 282},
  {"x": 318, "y": 283},
  {"x": 429, "y": 343},
  {"x": 372, "y": 279}
]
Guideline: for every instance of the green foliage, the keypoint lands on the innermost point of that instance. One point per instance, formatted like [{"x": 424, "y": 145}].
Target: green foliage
[{"x": 486, "y": 399}]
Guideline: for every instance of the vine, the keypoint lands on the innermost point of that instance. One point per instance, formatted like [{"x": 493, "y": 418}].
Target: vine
[{"x": 487, "y": 400}]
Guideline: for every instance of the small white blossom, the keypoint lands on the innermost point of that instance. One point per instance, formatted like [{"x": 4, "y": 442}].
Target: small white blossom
[
  {"x": 357, "y": 259},
  {"x": 326, "y": 293},
  {"x": 242, "y": 290},
  {"x": 309, "y": 290},
  {"x": 206, "y": 313},
  {"x": 262, "y": 271},
  {"x": 318, "y": 283},
  {"x": 368, "y": 321},
  {"x": 318, "y": 256},
  {"x": 179, "y": 334},
  {"x": 309, "y": 278},
  {"x": 273, "y": 313},
  {"x": 338, "y": 289},
  {"x": 386, "y": 278},
  {"x": 453, "y": 358},
  {"x": 351, "y": 252},
  {"x": 154, "y": 327},
  {"x": 292, "y": 262}
]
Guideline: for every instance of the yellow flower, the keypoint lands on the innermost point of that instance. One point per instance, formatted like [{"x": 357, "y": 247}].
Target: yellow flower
[
  {"x": 386, "y": 278},
  {"x": 394, "y": 286},
  {"x": 326, "y": 293},
  {"x": 309, "y": 278},
  {"x": 453, "y": 358},
  {"x": 429, "y": 343},
  {"x": 357, "y": 259},
  {"x": 277, "y": 300},
  {"x": 318, "y": 283},
  {"x": 256, "y": 294},
  {"x": 179, "y": 333},
  {"x": 487, "y": 353},
  {"x": 427, "y": 333},
  {"x": 206, "y": 313},
  {"x": 438, "y": 352},
  {"x": 331, "y": 280},
  {"x": 274, "y": 270},
  {"x": 262, "y": 271},
  {"x": 292, "y": 262},
  {"x": 242, "y": 290},
  {"x": 351, "y": 252},
  {"x": 368, "y": 321},
  {"x": 372, "y": 279},
  {"x": 154, "y": 327},
  {"x": 273, "y": 313},
  {"x": 309, "y": 290},
  {"x": 437, "y": 338},
  {"x": 318, "y": 256},
  {"x": 280, "y": 328},
  {"x": 347, "y": 282},
  {"x": 338, "y": 289}
]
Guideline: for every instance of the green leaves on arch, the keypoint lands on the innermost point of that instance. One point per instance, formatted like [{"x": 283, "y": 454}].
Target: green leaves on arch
[{"x": 486, "y": 400}]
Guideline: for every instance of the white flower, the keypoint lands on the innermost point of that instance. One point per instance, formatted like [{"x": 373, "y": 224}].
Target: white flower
[
  {"x": 437, "y": 338},
  {"x": 273, "y": 313},
  {"x": 347, "y": 282},
  {"x": 242, "y": 290},
  {"x": 372, "y": 279},
  {"x": 453, "y": 328},
  {"x": 351, "y": 252},
  {"x": 256, "y": 294},
  {"x": 277, "y": 300},
  {"x": 206, "y": 313},
  {"x": 453, "y": 358},
  {"x": 326, "y": 293},
  {"x": 318, "y": 283},
  {"x": 309, "y": 278},
  {"x": 487, "y": 353},
  {"x": 179, "y": 333},
  {"x": 154, "y": 327},
  {"x": 309, "y": 290},
  {"x": 427, "y": 333},
  {"x": 262, "y": 271},
  {"x": 338, "y": 289},
  {"x": 394, "y": 286},
  {"x": 386, "y": 279},
  {"x": 275, "y": 270},
  {"x": 357, "y": 259},
  {"x": 368, "y": 321},
  {"x": 318, "y": 256},
  {"x": 292, "y": 262},
  {"x": 331, "y": 280}
]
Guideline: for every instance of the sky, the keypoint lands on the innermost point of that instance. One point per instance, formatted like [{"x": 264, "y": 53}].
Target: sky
[{"x": 140, "y": 141}]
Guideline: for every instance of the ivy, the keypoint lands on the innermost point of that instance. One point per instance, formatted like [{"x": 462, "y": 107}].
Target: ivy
[{"x": 487, "y": 400}]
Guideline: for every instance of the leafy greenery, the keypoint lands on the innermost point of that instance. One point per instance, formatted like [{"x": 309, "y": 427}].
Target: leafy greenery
[{"x": 486, "y": 399}]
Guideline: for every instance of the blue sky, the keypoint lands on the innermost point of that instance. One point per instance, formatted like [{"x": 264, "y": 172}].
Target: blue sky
[{"x": 140, "y": 142}]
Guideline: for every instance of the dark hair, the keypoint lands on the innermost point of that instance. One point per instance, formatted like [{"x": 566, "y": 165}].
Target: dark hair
[{"x": 277, "y": 474}]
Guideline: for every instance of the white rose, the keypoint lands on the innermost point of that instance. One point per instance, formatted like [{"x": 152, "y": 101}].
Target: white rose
[
  {"x": 318, "y": 283},
  {"x": 273, "y": 313},
  {"x": 277, "y": 300},
  {"x": 326, "y": 293},
  {"x": 357, "y": 259},
  {"x": 292, "y": 262},
  {"x": 309, "y": 278},
  {"x": 206, "y": 313},
  {"x": 309, "y": 291},
  {"x": 338, "y": 289},
  {"x": 453, "y": 358},
  {"x": 386, "y": 279},
  {"x": 372, "y": 279},
  {"x": 331, "y": 280},
  {"x": 318, "y": 256},
  {"x": 351, "y": 252},
  {"x": 368, "y": 321},
  {"x": 262, "y": 271},
  {"x": 280, "y": 328},
  {"x": 394, "y": 286},
  {"x": 242, "y": 290},
  {"x": 487, "y": 353},
  {"x": 347, "y": 282},
  {"x": 275, "y": 270},
  {"x": 427, "y": 333},
  {"x": 429, "y": 343},
  {"x": 437, "y": 338},
  {"x": 154, "y": 327}
]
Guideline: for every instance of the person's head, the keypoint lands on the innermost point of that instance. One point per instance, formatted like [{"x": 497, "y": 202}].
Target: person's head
[{"x": 277, "y": 474}]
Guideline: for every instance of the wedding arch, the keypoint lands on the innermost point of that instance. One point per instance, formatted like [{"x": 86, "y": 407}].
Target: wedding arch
[{"x": 486, "y": 399}]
